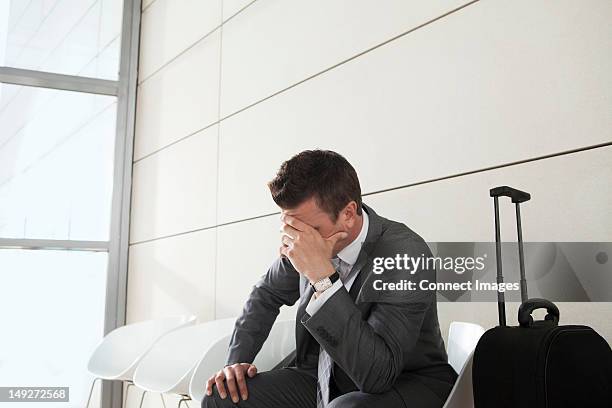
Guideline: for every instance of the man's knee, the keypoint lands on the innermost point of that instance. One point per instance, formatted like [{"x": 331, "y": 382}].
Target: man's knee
[
  {"x": 215, "y": 401},
  {"x": 348, "y": 401},
  {"x": 209, "y": 402},
  {"x": 357, "y": 399}
]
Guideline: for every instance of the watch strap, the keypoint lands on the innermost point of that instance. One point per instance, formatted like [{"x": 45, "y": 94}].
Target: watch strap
[{"x": 333, "y": 278}]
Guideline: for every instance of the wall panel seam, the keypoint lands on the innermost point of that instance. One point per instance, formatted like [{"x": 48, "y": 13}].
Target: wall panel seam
[
  {"x": 354, "y": 57},
  {"x": 161, "y": 149},
  {"x": 428, "y": 181},
  {"x": 192, "y": 45},
  {"x": 148, "y": 6},
  {"x": 493, "y": 167},
  {"x": 145, "y": 241},
  {"x": 217, "y": 181},
  {"x": 319, "y": 73}
]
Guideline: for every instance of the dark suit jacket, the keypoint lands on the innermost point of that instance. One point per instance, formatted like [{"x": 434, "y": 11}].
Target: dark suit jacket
[{"x": 374, "y": 337}]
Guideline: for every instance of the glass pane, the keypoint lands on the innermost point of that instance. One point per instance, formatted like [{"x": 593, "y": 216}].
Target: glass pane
[
  {"x": 56, "y": 163},
  {"x": 75, "y": 37},
  {"x": 52, "y": 314}
]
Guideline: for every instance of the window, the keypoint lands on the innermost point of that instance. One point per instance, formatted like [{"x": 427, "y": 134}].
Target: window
[
  {"x": 74, "y": 37},
  {"x": 52, "y": 310},
  {"x": 67, "y": 96},
  {"x": 56, "y": 163}
]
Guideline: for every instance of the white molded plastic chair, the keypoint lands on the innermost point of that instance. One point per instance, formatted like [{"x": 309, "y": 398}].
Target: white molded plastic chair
[
  {"x": 279, "y": 344},
  {"x": 120, "y": 351},
  {"x": 212, "y": 362},
  {"x": 169, "y": 365},
  {"x": 462, "y": 340}
]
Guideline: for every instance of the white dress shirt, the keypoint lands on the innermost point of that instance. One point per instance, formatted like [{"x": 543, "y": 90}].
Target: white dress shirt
[{"x": 346, "y": 258}]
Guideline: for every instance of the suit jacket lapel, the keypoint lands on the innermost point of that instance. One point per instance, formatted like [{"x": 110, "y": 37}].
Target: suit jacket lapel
[
  {"x": 362, "y": 260},
  {"x": 374, "y": 233},
  {"x": 302, "y": 335}
]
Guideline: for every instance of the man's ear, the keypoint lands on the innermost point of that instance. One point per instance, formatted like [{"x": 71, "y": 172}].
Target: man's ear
[{"x": 349, "y": 214}]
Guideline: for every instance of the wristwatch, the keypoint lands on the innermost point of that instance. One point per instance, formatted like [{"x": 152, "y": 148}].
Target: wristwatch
[{"x": 325, "y": 283}]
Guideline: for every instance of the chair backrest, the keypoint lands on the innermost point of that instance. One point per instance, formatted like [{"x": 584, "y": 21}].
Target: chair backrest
[
  {"x": 213, "y": 361},
  {"x": 169, "y": 364},
  {"x": 117, "y": 355},
  {"x": 462, "y": 340},
  {"x": 279, "y": 344},
  {"x": 462, "y": 395}
]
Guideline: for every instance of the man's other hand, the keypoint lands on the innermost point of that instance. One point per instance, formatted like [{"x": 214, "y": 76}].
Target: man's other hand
[{"x": 232, "y": 378}]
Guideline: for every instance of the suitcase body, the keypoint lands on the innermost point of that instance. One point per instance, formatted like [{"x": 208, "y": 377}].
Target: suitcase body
[
  {"x": 542, "y": 366},
  {"x": 539, "y": 363}
]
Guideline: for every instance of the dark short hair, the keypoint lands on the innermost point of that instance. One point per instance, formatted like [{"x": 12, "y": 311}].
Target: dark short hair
[{"x": 322, "y": 174}]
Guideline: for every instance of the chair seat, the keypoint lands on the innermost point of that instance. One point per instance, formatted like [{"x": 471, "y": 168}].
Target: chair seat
[
  {"x": 119, "y": 352},
  {"x": 168, "y": 366}
]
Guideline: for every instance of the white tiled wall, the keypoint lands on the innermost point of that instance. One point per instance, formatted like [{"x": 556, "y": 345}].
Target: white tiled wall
[
  {"x": 232, "y": 7},
  {"x": 571, "y": 201},
  {"x": 493, "y": 83},
  {"x": 175, "y": 189},
  {"x": 276, "y": 43},
  {"x": 460, "y": 104},
  {"x": 179, "y": 100},
  {"x": 146, "y": 4},
  {"x": 173, "y": 276},
  {"x": 170, "y": 27}
]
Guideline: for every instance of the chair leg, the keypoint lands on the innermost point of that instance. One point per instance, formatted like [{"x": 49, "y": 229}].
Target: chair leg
[
  {"x": 91, "y": 391},
  {"x": 142, "y": 398},
  {"x": 163, "y": 400},
  {"x": 184, "y": 399},
  {"x": 125, "y": 395}
]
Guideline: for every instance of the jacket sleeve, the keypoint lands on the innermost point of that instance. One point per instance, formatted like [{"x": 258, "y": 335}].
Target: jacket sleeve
[
  {"x": 371, "y": 350},
  {"x": 278, "y": 287}
]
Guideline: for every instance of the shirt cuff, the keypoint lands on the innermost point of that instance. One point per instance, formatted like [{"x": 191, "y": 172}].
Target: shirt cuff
[{"x": 316, "y": 303}]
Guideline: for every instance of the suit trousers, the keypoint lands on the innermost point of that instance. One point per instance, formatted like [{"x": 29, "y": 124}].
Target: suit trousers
[{"x": 293, "y": 388}]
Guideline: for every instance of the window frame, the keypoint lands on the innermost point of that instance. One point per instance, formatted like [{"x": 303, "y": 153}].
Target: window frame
[{"x": 124, "y": 89}]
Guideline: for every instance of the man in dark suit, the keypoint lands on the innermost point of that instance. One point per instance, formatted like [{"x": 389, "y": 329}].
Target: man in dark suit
[{"x": 360, "y": 341}]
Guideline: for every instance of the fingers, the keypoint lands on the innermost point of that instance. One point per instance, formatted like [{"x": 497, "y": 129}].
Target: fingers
[
  {"x": 241, "y": 382},
  {"x": 295, "y": 223},
  {"x": 220, "y": 384},
  {"x": 286, "y": 241},
  {"x": 252, "y": 371},
  {"x": 209, "y": 385},
  {"x": 230, "y": 382},
  {"x": 336, "y": 237},
  {"x": 288, "y": 230}
]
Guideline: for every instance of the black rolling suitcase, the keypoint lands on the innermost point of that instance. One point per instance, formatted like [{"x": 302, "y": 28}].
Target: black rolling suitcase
[{"x": 539, "y": 363}]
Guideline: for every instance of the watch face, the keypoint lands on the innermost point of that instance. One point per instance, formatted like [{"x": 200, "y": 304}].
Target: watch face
[{"x": 323, "y": 284}]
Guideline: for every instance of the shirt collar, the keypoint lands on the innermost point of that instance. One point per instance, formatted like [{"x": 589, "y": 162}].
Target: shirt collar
[{"x": 350, "y": 253}]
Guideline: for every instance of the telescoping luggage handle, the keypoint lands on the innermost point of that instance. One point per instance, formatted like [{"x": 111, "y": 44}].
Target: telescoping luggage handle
[
  {"x": 527, "y": 305},
  {"x": 517, "y": 198}
]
